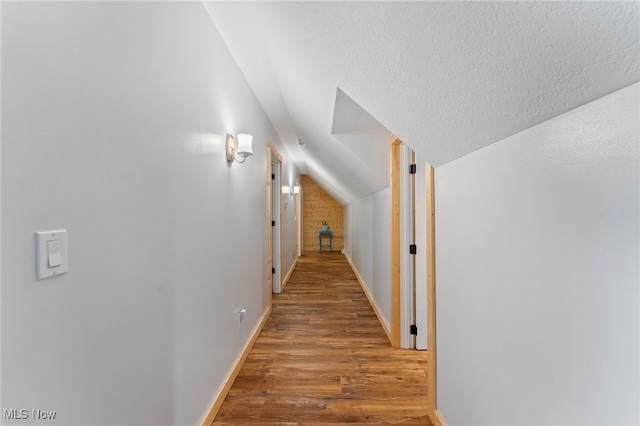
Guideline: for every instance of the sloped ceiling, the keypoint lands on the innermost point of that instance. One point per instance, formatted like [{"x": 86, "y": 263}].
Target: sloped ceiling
[{"x": 447, "y": 77}]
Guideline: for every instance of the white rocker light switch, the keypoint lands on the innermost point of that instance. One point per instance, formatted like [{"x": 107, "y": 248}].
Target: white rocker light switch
[{"x": 51, "y": 254}]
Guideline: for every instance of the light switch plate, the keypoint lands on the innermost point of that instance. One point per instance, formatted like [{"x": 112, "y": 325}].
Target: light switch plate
[{"x": 51, "y": 249}]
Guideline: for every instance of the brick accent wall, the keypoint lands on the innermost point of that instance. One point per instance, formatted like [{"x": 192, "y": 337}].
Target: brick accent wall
[{"x": 317, "y": 205}]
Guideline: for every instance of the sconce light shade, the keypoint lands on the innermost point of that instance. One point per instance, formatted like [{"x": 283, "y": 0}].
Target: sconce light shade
[
  {"x": 285, "y": 189},
  {"x": 296, "y": 189},
  {"x": 245, "y": 142},
  {"x": 244, "y": 147}
]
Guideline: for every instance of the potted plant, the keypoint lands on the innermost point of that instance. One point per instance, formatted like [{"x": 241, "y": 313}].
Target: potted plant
[{"x": 324, "y": 225}]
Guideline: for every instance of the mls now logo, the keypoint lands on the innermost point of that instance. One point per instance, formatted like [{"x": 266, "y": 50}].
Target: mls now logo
[{"x": 21, "y": 414}]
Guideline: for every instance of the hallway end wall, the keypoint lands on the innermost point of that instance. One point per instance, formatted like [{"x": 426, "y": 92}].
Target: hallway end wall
[
  {"x": 537, "y": 273},
  {"x": 318, "y": 205}
]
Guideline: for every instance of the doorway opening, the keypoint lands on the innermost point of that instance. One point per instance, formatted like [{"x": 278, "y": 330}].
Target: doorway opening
[{"x": 413, "y": 259}]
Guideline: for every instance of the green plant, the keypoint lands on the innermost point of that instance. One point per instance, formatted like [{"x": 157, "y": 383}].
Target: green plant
[{"x": 324, "y": 222}]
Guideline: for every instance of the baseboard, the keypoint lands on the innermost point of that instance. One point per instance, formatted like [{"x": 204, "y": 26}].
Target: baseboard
[
  {"x": 372, "y": 301},
  {"x": 286, "y": 279},
  {"x": 212, "y": 412},
  {"x": 438, "y": 420}
]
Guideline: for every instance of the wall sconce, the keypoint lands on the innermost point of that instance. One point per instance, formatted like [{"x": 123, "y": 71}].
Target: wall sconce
[
  {"x": 244, "y": 149},
  {"x": 287, "y": 190},
  {"x": 296, "y": 189}
]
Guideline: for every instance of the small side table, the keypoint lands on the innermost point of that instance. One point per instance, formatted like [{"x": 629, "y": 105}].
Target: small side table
[{"x": 330, "y": 245}]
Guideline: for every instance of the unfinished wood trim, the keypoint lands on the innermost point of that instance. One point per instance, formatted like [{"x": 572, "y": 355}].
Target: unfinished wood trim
[
  {"x": 395, "y": 240},
  {"x": 212, "y": 412},
  {"x": 431, "y": 297},
  {"x": 372, "y": 301},
  {"x": 438, "y": 420},
  {"x": 274, "y": 150},
  {"x": 286, "y": 279}
]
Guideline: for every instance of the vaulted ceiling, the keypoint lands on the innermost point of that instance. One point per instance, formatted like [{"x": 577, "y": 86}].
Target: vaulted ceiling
[{"x": 337, "y": 78}]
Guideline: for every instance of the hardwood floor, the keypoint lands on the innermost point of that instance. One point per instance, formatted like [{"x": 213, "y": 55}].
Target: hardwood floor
[{"x": 323, "y": 358}]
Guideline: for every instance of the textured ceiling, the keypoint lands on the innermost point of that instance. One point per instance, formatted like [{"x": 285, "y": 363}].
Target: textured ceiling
[{"x": 447, "y": 77}]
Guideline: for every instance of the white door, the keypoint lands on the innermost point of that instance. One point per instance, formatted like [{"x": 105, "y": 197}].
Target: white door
[
  {"x": 421, "y": 252},
  {"x": 407, "y": 260},
  {"x": 276, "y": 199}
]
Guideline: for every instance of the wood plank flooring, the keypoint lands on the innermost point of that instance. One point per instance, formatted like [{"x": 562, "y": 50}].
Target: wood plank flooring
[{"x": 323, "y": 358}]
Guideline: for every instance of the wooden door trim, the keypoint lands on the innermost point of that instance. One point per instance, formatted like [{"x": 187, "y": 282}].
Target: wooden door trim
[
  {"x": 431, "y": 298},
  {"x": 395, "y": 145}
]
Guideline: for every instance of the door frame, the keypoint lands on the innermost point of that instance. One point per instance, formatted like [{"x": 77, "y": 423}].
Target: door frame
[
  {"x": 403, "y": 291},
  {"x": 432, "y": 401},
  {"x": 395, "y": 171},
  {"x": 272, "y": 153}
]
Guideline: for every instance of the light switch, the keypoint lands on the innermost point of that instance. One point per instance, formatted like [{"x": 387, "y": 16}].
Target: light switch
[
  {"x": 51, "y": 254},
  {"x": 54, "y": 254}
]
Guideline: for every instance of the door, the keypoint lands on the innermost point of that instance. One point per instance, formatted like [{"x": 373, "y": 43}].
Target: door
[
  {"x": 402, "y": 246},
  {"x": 409, "y": 248},
  {"x": 274, "y": 220},
  {"x": 276, "y": 202}
]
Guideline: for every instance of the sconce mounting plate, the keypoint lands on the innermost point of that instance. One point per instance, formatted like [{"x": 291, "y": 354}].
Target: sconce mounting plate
[{"x": 230, "y": 148}]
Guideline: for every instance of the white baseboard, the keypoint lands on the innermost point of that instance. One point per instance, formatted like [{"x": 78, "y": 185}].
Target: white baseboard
[
  {"x": 372, "y": 301},
  {"x": 212, "y": 412},
  {"x": 286, "y": 279},
  {"x": 438, "y": 421}
]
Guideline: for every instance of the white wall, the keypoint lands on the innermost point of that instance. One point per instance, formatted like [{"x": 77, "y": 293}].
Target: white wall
[
  {"x": 114, "y": 116},
  {"x": 367, "y": 243},
  {"x": 537, "y": 273}
]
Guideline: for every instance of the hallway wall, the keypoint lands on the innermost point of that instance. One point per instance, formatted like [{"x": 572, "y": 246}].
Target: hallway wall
[
  {"x": 113, "y": 125},
  {"x": 367, "y": 242},
  {"x": 537, "y": 273}
]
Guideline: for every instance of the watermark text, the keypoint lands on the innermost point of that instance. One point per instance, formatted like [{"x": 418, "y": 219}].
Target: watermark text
[{"x": 23, "y": 414}]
